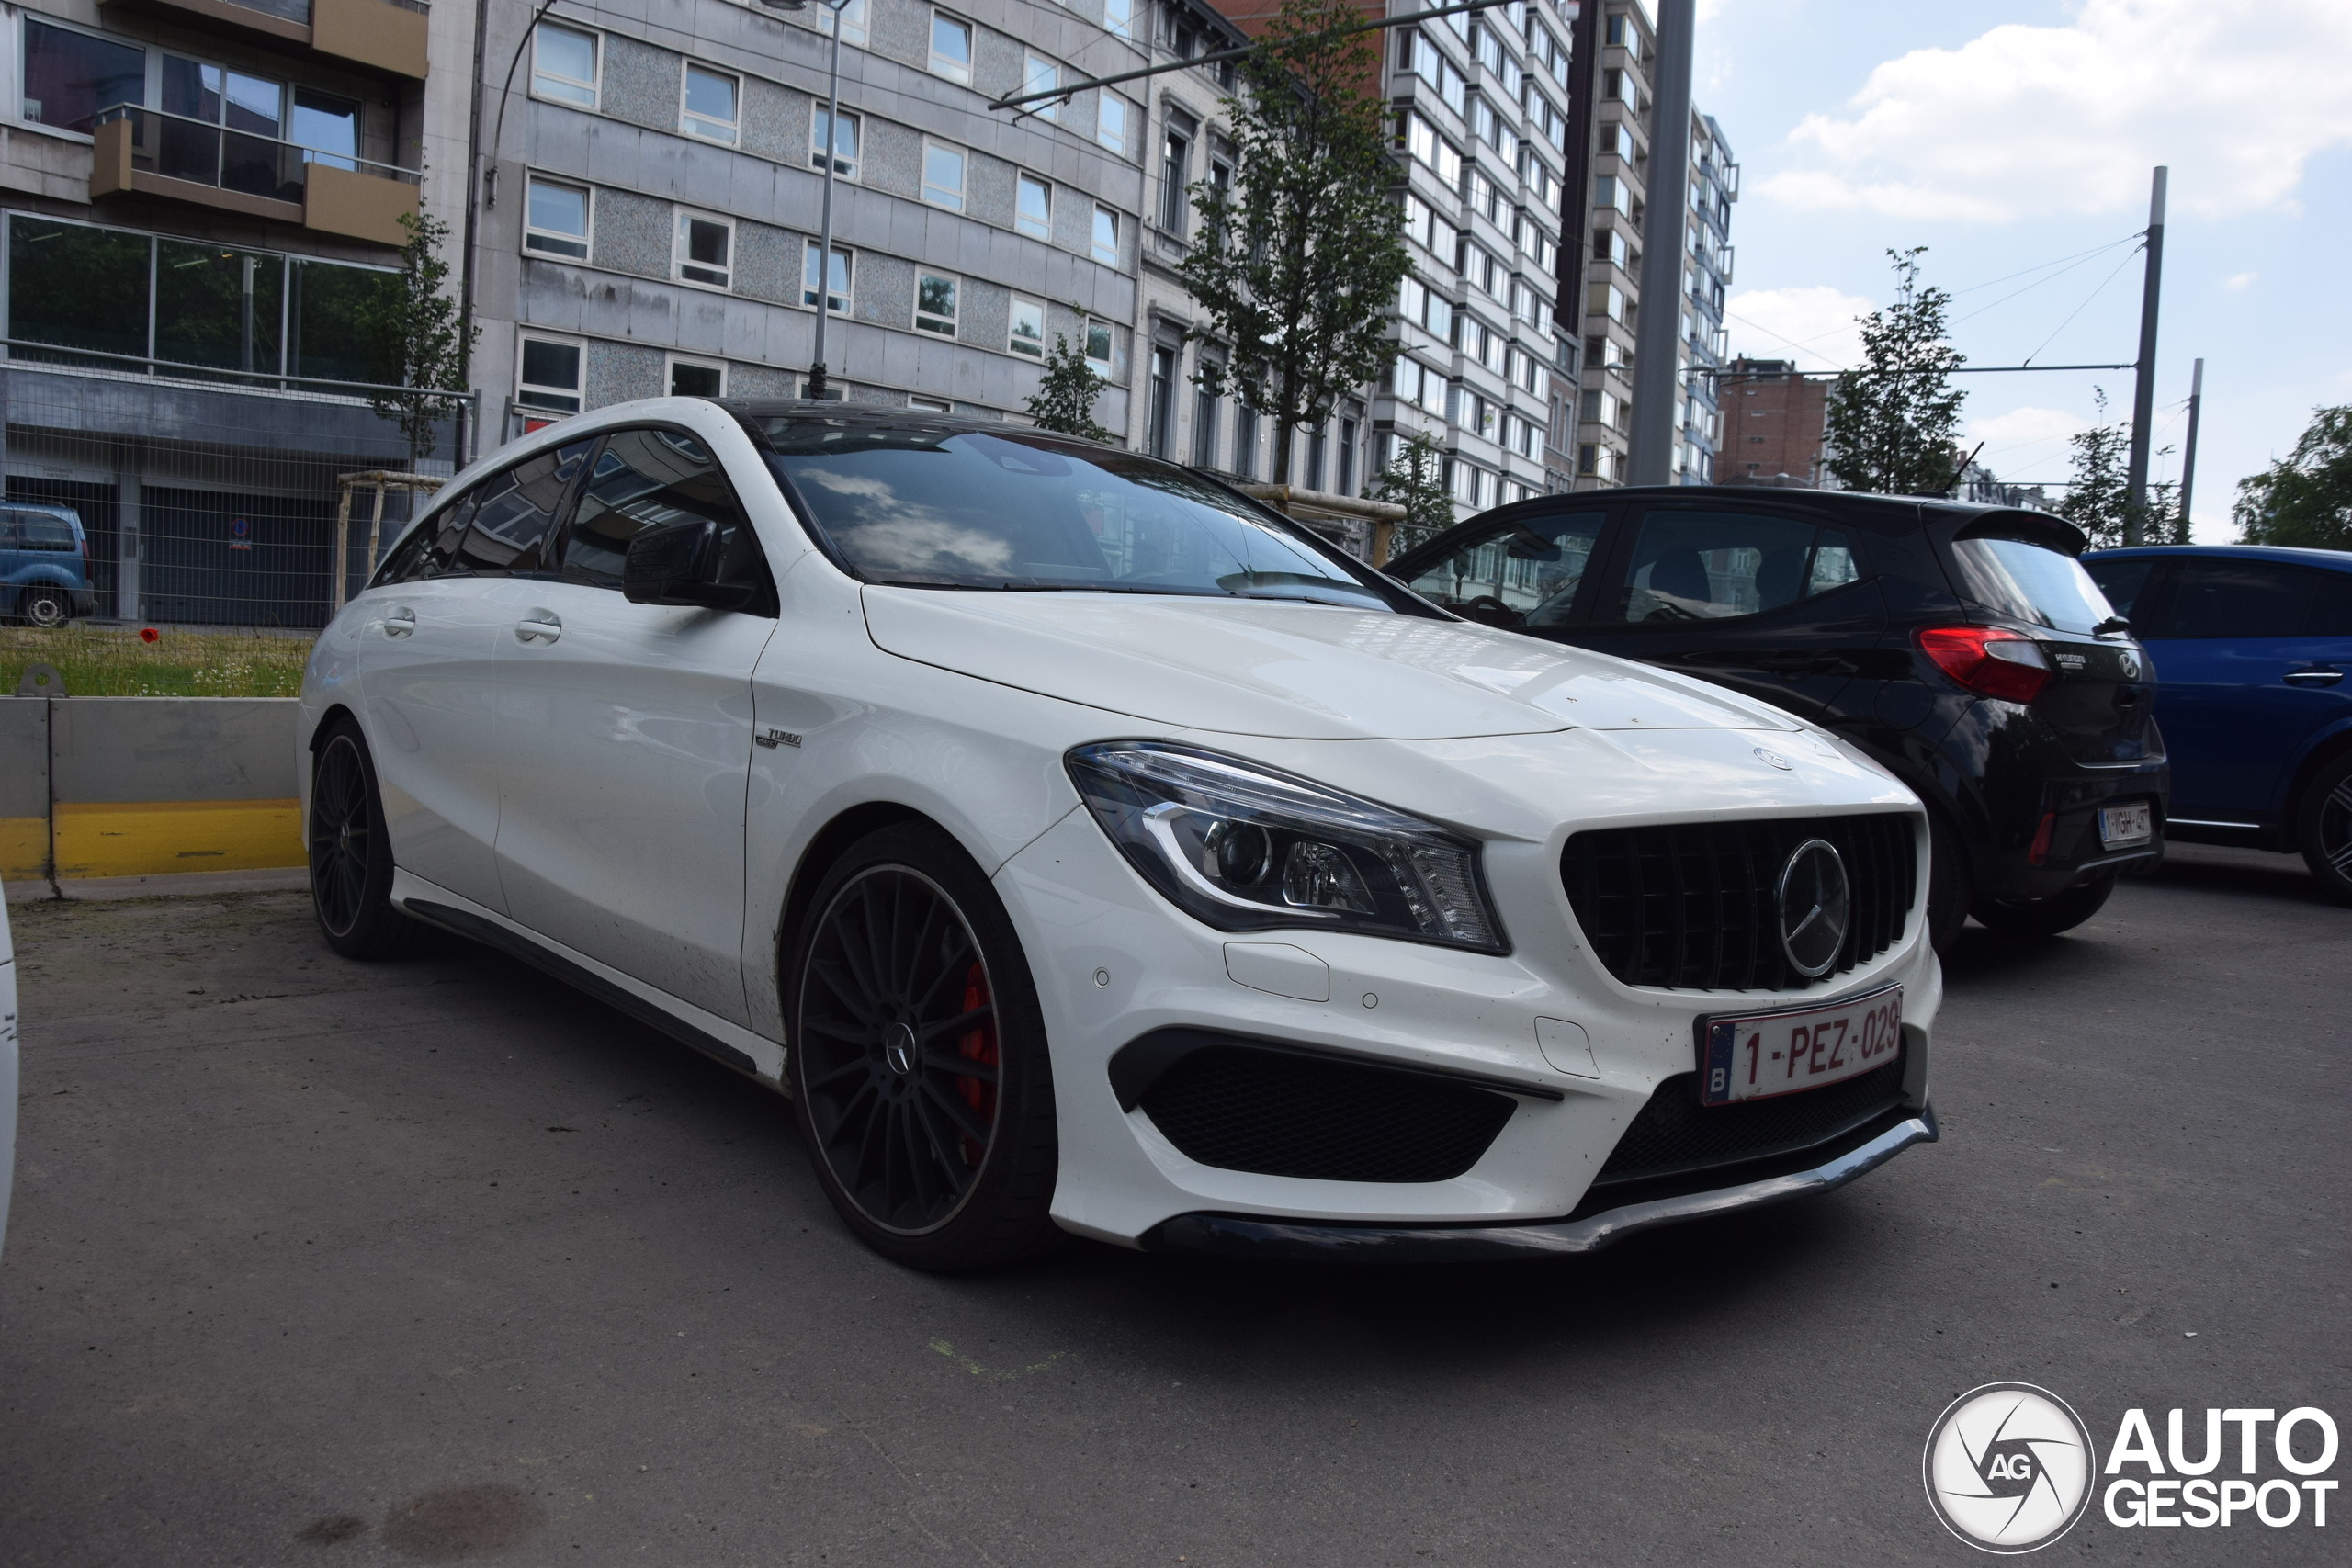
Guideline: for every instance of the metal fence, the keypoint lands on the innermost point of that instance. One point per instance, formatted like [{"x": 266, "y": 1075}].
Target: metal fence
[{"x": 203, "y": 502}]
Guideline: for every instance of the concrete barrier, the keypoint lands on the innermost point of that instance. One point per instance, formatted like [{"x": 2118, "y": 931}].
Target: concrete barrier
[{"x": 137, "y": 786}]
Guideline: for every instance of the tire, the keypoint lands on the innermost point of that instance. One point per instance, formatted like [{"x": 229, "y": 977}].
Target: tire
[
  {"x": 44, "y": 607},
  {"x": 2044, "y": 917},
  {"x": 2324, "y": 828},
  {"x": 350, "y": 853},
  {"x": 936, "y": 1142},
  {"x": 1948, "y": 883}
]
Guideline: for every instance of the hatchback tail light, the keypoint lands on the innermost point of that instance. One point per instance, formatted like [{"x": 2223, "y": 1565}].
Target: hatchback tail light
[{"x": 1987, "y": 659}]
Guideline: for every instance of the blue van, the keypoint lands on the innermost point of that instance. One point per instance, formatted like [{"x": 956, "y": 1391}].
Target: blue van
[
  {"x": 44, "y": 565},
  {"x": 2252, "y": 645}
]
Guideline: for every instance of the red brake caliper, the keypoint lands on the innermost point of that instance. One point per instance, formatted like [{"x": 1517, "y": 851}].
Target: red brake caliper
[{"x": 979, "y": 1045}]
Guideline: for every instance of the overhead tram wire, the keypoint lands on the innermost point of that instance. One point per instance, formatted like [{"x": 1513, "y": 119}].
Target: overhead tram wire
[
  {"x": 2083, "y": 260},
  {"x": 2078, "y": 310}
]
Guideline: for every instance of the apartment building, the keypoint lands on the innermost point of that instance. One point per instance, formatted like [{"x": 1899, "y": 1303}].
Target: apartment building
[
  {"x": 1773, "y": 423},
  {"x": 1612, "y": 270},
  {"x": 1711, "y": 186},
  {"x": 198, "y": 196}
]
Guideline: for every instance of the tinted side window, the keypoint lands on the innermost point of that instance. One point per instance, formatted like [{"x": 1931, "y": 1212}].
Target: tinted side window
[
  {"x": 644, "y": 478},
  {"x": 514, "y": 513},
  {"x": 2123, "y": 582},
  {"x": 2217, "y": 597},
  {"x": 1523, "y": 574},
  {"x": 39, "y": 531},
  {"x": 2331, "y": 608},
  {"x": 1710, "y": 566}
]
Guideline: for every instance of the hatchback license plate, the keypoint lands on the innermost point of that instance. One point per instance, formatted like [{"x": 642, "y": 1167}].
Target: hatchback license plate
[
  {"x": 2122, "y": 825},
  {"x": 1761, "y": 1055}
]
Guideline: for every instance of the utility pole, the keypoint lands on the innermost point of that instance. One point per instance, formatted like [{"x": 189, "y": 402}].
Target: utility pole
[
  {"x": 2144, "y": 375},
  {"x": 2188, "y": 457},
  {"x": 1657, "y": 370},
  {"x": 817, "y": 387}
]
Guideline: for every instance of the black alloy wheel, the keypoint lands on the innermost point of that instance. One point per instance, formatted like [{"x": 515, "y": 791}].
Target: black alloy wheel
[
  {"x": 350, "y": 855},
  {"x": 2044, "y": 917},
  {"x": 44, "y": 607},
  {"x": 917, "y": 1057},
  {"x": 2324, "y": 831}
]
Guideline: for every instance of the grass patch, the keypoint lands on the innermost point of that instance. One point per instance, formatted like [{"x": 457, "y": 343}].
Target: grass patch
[{"x": 99, "y": 662}]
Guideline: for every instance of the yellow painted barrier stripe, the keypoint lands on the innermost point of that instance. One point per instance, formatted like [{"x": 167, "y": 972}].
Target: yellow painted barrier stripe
[
  {"x": 24, "y": 847},
  {"x": 145, "y": 837}
]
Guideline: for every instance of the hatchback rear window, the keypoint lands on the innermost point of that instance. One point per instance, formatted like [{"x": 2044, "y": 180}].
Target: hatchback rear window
[{"x": 2032, "y": 583}]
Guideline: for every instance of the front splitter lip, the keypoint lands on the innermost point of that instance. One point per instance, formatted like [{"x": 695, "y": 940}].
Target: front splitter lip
[{"x": 1243, "y": 1235}]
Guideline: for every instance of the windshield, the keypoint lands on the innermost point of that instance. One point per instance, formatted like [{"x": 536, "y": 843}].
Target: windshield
[
  {"x": 2033, "y": 583},
  {"x": 1028, "y": 511}
]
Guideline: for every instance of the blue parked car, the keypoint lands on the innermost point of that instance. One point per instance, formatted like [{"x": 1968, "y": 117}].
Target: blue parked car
[
  {"x": 2250, "y": 645},
  {"x": 44, "y": 565}
]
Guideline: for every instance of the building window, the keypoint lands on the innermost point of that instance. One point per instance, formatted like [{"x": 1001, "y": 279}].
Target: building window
[
  {"x": 1316, "y": 450},
  {"x": 1347, "y": 456},
  {"x": 951, "y": 47},
  {"x": 1106, "y": 236},
  {"x": 1160, "y": 417},
  {"x": 853, "y": 22},
  {"x": 1038, "y": 75},
  {"x": 1111, "y": 123},
  {"x": 1119, "y": 17},
  {"x": 563, "y": 66},
  {"x": 555, "y": 220},
  {"x": 837, "y": 282},
  {"x": 548, "y": 374},
  {"x": 934, "y": 304},
  {"x": 705, "y": 248},
  {"x": 1033, "y": 208},
  {"x": 1098, "y": 347},
  {"x": 1027, "y": 334},
  {"x": 711, "y": 111},
  {"x": 844, "y": 140},
  {"x": 1245, "y": 441},
  {"x": 1203, "y": 427},
  {"x": 70, "y": 76},
  {"x": 931, "y": 405},
  {"x": 697, "y": 378},
  {"x": 943, "y": 176},
  {"x": 1175, "y": 160}
]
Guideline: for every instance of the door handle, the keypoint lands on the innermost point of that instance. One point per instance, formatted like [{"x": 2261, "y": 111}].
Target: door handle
[
  {"x": 2315, "y": 675},
  {"x": 540, "y": 626},
  {"x": 400, "y": 622}
]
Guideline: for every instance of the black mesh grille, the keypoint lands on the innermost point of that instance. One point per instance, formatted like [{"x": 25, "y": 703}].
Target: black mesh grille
[
  {"x": 1675, "y": 1132},
  {"x": 1275, "y": 1114},
  {"x": 1689, "y": 904}
]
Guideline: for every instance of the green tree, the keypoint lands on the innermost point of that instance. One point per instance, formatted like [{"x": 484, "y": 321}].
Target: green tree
[
  {"x": 1065, "y": 400},
  {"x": 413, "y": 327},
  {"x": 2099, "y": 496},
  {"x": 2306, "y": 498},
  {"x": 1891, "y": 419},
  {"x": 1297, "y": 262},
  {"x": 1415, "y": 479}
]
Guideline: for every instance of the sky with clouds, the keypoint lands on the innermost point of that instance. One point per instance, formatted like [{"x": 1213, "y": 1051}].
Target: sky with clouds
[{"x": 2015, "y": 139}]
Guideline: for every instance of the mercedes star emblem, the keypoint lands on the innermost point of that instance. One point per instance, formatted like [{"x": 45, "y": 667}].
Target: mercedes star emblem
[{"x": 1813, "y": 907}]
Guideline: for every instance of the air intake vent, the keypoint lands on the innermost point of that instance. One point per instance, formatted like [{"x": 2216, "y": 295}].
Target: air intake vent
[
  {"x": 1239, "y": 1108},
  {"x": 1675, "y": 1134},
  {"x": 1688, "y": 906}
]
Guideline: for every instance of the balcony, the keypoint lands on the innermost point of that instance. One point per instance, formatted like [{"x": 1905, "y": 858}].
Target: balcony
[
  {"x": 149, "y": 152},
  {"x": 385, "y": 36}
]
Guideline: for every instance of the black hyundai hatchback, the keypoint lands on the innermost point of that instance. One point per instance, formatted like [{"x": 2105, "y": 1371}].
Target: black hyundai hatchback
[{"x": 1962, "y": 646}]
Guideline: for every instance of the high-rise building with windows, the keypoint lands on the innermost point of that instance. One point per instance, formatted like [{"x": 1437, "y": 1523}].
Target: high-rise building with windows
[{"x": 1711, "y": 186}]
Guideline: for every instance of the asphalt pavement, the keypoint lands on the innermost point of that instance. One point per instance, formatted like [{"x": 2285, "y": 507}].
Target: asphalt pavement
[{"x": 323, "y": 1263}]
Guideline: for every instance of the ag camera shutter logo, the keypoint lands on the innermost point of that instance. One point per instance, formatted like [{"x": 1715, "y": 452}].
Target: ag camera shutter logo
[{"x": 2008, "y": 1468}]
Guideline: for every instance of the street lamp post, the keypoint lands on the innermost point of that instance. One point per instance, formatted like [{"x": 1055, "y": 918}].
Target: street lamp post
[{"x": 817, "y": 387}]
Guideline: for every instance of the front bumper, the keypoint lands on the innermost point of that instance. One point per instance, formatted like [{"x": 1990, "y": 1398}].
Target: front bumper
[{"x": 1242, "y": 1236}]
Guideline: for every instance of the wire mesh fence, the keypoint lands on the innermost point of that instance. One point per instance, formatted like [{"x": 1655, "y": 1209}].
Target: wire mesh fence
[{"x": 202, "y": 504}]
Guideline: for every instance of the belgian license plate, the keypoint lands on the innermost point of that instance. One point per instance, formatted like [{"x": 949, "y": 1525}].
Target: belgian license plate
[
  {"x": 2121, "y": 825},
  {"x": 1761, "y": 1055}
]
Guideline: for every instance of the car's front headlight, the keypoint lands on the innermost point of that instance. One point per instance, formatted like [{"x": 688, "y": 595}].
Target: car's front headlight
[{"x": 1245, "y": 848}]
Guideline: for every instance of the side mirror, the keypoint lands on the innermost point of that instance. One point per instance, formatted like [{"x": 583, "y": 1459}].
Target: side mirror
[{"x": 679, "y": 563}]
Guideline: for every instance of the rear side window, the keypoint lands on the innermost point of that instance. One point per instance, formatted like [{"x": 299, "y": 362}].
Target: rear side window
[
  {"x": 514, "y": 513},
  {"x": 2218, "y": 597},
  {"x": 644, "y": 478},
  {"x": 2029, "y": 582},
  {"x": 1524, "y": 573},
  {"x": 1714, "y": 566},
  {"x": 2123, "y": 582},
  {"x": 39, "y": 531}
]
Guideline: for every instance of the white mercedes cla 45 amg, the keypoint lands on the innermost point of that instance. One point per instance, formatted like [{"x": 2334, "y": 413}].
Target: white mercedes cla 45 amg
[{"x": 1085, "y": 847}]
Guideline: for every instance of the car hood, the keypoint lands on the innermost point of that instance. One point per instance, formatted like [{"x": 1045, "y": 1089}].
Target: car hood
[{"x": 1293, "y": 670}]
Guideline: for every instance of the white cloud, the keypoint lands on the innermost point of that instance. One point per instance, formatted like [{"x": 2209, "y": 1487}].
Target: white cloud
[
  {"x": 1813, "y": 325},
  {"x": 2237, "y": 280},
  {"x": 2025, "y": 440},
  {"x": 2235, "y": 95}
]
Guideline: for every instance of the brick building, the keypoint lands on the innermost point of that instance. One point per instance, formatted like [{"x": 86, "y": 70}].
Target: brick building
[{"x": 1774, "y": 420}]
